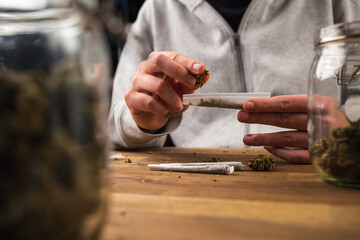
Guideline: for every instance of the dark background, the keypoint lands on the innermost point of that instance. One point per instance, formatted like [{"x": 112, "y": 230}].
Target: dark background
[
  {"x": 117, "y": 17},
  {"x": 120, "y": 14}
]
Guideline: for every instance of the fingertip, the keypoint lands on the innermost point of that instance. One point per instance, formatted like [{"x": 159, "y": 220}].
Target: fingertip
[
  {"x": 268, "y": 148},
  {"x": 179, "y": 107},
  {"x": 243, "y": 116},
  {"x": 238, "y": 116},
  {"x": 249, "y": 105},
  {"x": 249, "y": 139},
  {"x": 197, "y": 67}
]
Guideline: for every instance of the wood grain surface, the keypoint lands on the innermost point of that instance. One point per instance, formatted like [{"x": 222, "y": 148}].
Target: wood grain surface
[{"x": 290, "y": 202}]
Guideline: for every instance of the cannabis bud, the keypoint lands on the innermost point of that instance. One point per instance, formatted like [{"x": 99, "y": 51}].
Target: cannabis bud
[
  {"x": 261, "y": 163},
  {"x": 51, "y": 152},
  {"x": 338, "y": 154},
  {"x": 199, "y": 78}
]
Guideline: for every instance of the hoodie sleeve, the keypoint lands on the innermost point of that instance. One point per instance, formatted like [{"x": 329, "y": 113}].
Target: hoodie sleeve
[{"x": 123, "y": 131}]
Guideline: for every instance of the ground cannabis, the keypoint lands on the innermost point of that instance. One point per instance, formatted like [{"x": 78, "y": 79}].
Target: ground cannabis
[
  {"x": 219, "y": 104},
  {"x": 261, "y": 163},
  {"x": 199, "y": 78},
  {"x": 338, "y": 154},
  {"x": 51, "y": 154}
]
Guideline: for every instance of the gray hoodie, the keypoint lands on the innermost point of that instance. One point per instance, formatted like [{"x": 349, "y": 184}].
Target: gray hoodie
[{"x": 271, "y": 52}]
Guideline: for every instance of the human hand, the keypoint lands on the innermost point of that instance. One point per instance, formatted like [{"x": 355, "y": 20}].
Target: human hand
[
  {"x": 281, "y": 111},
  {"x": 157, "y": 88}
]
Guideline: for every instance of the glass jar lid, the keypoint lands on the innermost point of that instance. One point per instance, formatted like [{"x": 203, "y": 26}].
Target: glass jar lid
[
  {"x": 34, "y": 5},
  {"x": 338, "y": 32},
  {"x": 30, "y": 5}
]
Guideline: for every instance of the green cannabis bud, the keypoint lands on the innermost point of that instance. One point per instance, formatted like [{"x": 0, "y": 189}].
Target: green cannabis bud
[
  {"x": 199, "y": 78},
  {"x": 338, "y": 154},
  {"x": 51, "y": 153},
  {"x": 261, "y": 163},
  {"x": 219, "y": 104}
]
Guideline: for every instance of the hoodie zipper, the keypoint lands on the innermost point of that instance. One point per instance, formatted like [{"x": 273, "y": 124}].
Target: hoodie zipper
[
  {"x": 238, "y": 49},
  {"x": 236, "y": 38}
]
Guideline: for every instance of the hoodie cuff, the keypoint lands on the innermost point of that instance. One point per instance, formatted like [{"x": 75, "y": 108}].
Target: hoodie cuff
[{"x": 134, "y": 133}]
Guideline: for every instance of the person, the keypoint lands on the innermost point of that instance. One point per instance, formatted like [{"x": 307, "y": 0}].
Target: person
[{"x": 264, "y": 46}]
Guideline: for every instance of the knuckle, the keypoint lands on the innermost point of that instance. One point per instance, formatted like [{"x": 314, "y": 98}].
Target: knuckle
[
  {"x": 127, "y": 96},
  {"x": 286, "y": 138},
  {"x": 179, "y": 71},
  {"x": 284, "y": 119},
  {"x": 160, "y": 86},
  {"x": 135, "y": 79},
  {"x": 141, "y": 66},
  {"x": 174, "y": 56},
  {"x": 294, "y": 158},
  {"x": 149, "y": 103},
  {"x": 155, "y": 58},
  {"x": 136, "y": 82},
  {"x": 153, "y": 54},
  {"x": 284, "y": 104},
  {"x": 291, "y": 158}
]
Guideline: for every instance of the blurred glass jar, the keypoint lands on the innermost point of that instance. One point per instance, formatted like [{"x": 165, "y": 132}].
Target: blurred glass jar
[
  {"x": 334, "y": 104},
  {"x": 53, "y": 106}
]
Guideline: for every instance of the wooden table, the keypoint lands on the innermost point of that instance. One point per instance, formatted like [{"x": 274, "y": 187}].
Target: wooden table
[{"x": 290, "y": 202}]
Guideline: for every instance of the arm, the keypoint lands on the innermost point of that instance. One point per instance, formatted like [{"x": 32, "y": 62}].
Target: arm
[
  {"x": 155, "y": 96},
  {"x": 144, "y": 107},
  {"x": 123, "y": 131},
  {"x": 153, "y": 102}
]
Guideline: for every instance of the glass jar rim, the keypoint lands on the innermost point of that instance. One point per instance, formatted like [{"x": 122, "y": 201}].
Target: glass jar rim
[
  {"x": 45, "y": 20},
  {"x": 337, "y": 32},
  {"x": 31, "y": 5}
]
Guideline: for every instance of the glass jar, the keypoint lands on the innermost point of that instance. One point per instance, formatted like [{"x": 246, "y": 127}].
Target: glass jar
[
  {"x": 334, "y": 104},
  {"x": 54, "y": 75}
]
